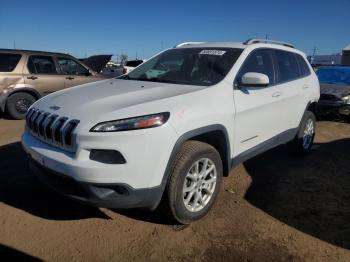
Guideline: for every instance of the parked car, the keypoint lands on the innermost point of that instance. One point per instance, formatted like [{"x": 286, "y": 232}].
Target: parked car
[
  {"x": 26, "y": 76},
  {"x": 113, "y": 70},
  {"x": 335, "y": 91},
  {"x": 144, "y": 138},
  {"x": 131, "y": 64}
]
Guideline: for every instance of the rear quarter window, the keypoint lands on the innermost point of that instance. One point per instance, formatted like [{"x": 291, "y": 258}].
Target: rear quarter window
[
  {"x": 8, "y": 62},
  {"x": 303, "y": 67}
]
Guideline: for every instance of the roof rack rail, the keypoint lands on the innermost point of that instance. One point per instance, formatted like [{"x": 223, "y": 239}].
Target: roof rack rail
[
  {"x": 266, "y": 41},
  {"x": 189, "y": 43}
]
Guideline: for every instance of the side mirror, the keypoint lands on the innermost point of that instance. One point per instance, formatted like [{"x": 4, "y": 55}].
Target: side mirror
[{"x": 255, "y": 79}]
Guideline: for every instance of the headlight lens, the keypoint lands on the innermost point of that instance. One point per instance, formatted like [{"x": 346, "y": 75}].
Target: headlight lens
[
  {"x": 133, "y": 123},
  {"x": 346, "y": 99}
]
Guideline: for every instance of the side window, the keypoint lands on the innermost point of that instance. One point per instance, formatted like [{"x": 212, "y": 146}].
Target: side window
[
  {"x": 288, "y": 68},
  {"x": 8, "y": 62},
  {"x": 71, "y": 67},
  {"x": 259, "y": 61},
  {"x": 41, "y": 65},
  {"x": 304, "y": 68}
]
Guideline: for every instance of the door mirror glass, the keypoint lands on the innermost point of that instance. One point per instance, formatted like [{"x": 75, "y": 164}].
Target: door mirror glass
[{"x": 255, "y": 79}]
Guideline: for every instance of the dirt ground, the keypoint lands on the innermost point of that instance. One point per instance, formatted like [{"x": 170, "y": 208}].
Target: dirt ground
[{"x": 274, "y": 207}]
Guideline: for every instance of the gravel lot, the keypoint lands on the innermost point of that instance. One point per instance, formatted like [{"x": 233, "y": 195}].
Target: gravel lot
[{"x": 275, "y": 207}]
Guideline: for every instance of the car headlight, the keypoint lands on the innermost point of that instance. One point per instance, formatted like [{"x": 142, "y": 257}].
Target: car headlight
[
  {"x": 346, "y": 99},
  {"x": 133, "y": 123}
]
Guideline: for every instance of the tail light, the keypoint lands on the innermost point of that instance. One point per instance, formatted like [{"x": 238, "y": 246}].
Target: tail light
[{"x": 125, "y": 70}]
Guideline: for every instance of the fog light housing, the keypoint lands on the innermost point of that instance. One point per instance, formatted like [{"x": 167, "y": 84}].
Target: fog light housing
[{"x": 107, "y": 156}]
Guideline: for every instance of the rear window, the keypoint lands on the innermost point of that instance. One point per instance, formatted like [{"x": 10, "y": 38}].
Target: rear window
[
  {"x": 8, "y": 62},
  {"x": 134, "y": 63}
]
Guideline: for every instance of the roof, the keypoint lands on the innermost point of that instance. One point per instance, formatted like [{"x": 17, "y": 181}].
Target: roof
[
  {"x": 214, "y": 44},
  {"x": 31, "y": 51},
  {"x": 234, "y": 44},
  {"x": 347, "y": 47}
]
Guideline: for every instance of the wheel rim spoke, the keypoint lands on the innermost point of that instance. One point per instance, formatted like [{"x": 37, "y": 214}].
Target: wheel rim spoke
[
  {"x": 189, "y": 197},
  {"x": 308, "y": 134},
  {"x": 199, "y": 184}
]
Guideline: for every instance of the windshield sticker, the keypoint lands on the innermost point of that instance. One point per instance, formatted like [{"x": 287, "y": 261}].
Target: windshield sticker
[{"x": 212, "y": 52}]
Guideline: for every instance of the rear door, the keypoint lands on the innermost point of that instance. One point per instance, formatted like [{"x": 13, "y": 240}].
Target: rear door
[
  {"x": 258, "y": 115},
  {"x": 294, "y": 83},
  {"x": 42, "y": 74},
  {"x": 75, "y": 73}
]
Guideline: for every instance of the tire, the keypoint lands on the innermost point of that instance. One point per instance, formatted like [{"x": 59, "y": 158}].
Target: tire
[
  {"x": 18, "y": 104},
  {"x": 184, "y": 176},
  {"x": 303, "y": 141}
]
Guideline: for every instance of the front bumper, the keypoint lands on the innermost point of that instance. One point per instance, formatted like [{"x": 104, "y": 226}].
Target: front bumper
[
  {"x": 101, "y": 195},
  {"x": 136, "y": 183}
]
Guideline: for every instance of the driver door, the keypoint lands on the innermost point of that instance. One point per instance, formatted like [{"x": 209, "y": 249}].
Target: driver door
[{"x": 258, "y": 109}]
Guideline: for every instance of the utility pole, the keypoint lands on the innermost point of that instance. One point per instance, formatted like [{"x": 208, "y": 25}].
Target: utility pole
[
  {"x": 14, "y": 44},
  {"x": 314, "y": 51},
  {"x": 266, "y": 36}
]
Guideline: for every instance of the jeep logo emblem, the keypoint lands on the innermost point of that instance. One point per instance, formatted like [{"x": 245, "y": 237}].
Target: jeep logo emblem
[{"x": 55, "y": 108}]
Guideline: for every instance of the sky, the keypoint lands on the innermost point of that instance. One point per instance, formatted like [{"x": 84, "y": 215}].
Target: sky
[{"x": 143, "y": 28}]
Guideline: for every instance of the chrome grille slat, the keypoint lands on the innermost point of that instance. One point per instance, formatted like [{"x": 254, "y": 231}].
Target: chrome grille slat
[
  {"x": 28, "y": 115},
  {"x": 52, "y": 129},
  {"x": 41, "y": 124},
  {"x": 68, "y": 132},
  {"x": 32, "y": 118},
  {"x": 48, "y": 126},
  {"x": 57, "y": 129},
  {"x": 37, "y": 121}
]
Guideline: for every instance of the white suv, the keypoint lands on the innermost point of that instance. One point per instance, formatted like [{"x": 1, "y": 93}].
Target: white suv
[{"x": 169, "y": 130}]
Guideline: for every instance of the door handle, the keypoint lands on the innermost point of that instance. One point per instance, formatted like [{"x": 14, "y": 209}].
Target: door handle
[
  {"x": 276, "y": 94},
  {"x": 69, "y": 77},
  {"x": 305, "y": 87},
  {"x": 32, "y": 77}
]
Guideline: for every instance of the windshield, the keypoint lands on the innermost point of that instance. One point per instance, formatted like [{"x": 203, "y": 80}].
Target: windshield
[
  {"x": 190, "y": 66},
  {"x": 334, "y": 76}
]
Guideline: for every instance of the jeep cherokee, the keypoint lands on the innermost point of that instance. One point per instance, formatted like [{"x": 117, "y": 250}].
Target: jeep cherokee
[{"x": 173, "y": 127}]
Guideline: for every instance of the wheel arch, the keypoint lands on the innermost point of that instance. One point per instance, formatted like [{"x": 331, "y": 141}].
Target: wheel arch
[
  {"x": 312, "y": 106},
  {"x": 27, "y": 90},
  {"x": 214, "y": 135}
]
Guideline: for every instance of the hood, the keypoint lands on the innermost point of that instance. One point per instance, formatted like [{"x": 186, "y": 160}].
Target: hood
[
  {"x": 338, "y": 91},
  {"x": 96, "y": 100},
  {"x": 96, "y": 62}
]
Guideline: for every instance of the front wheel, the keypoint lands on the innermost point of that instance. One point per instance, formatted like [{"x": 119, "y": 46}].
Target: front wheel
[
  {"x": 303, "y": 141},
  {"x": 17, "y": 104},
  {"x": 194, "y": 182}
]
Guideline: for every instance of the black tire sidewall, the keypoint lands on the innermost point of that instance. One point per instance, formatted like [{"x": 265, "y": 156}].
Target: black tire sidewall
[
  {"x": 298, "y": 143},
  {"x": 181, "y": 212},
  {"x": 11, "y": 104}
]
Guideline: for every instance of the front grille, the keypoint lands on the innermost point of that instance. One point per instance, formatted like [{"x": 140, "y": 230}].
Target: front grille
[{"x": 51, "y": 128}]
